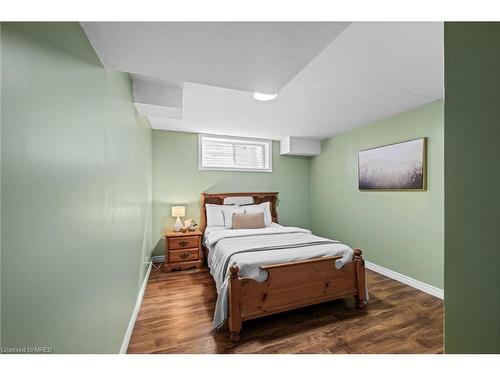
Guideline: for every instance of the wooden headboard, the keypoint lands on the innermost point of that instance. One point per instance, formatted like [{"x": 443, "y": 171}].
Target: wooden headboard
[{"x": 218, "y": 198}]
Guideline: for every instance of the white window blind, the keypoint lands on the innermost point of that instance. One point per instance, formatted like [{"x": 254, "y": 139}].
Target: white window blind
[{"x": 233, "y": 153}]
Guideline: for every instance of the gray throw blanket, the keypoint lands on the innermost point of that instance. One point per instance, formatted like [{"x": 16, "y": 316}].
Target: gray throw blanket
[{"x": 252, "y": 248}]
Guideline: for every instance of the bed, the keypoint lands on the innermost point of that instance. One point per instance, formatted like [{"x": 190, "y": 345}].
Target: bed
[{"x": 259, "y": 272}]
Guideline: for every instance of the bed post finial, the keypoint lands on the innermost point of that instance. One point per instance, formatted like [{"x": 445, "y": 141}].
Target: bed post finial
[
  {"x": 234, "y": 270},
  {"x": 357, "y": 253}
]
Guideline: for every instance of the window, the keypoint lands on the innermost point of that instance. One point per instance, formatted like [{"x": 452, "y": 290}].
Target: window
[{"x": 234, "y": 153}]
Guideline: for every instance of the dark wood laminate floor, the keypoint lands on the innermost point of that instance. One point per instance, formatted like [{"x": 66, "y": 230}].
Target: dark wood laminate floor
[{"x": 176, "y": 316}]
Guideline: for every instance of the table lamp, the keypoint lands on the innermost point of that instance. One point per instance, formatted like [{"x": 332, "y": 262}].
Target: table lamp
[{"x": 178, "y": 211}]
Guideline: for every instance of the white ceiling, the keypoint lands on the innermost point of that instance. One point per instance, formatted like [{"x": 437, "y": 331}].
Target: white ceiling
[
  {"x": 250, "y": 56},
  {"x": 367, "y": 72}
]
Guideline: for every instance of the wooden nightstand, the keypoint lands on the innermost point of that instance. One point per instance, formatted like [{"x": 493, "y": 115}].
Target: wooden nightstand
[{"x": 183, "y": 250}]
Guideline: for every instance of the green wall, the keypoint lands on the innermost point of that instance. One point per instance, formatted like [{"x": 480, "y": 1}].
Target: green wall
[
  {"x": 472, "y": 175},
  {"x": 402, "y": 231},
  {"x": 177, "y": 181},
  {"x": 76, "y": 193}
]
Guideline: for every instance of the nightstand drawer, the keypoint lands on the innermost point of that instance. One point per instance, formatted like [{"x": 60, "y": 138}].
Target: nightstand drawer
[
  {"x": 183, "y": 242},
  {"x": 183, "y": 255}
]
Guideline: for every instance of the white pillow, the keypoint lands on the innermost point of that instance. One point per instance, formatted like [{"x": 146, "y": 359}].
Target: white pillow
[
  {"x": 214, "y": 215},
  {"x": 238, "y": 201},
  {"x": 228, "y": 215},
  {"x": 263, "y": 207}
]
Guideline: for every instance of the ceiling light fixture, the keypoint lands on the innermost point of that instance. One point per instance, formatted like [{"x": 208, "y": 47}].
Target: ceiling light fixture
[{"x": 261, "y": 97}]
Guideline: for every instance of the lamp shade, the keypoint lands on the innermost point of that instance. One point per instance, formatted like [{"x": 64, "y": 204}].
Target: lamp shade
[{"x": 178, "y": 211}]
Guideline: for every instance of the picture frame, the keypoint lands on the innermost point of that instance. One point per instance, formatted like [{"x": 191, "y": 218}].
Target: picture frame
[{"x": 400, "y": 166}]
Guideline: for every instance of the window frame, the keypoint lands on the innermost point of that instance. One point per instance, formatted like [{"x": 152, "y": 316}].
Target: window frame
[{"x": 269, "y": 155}]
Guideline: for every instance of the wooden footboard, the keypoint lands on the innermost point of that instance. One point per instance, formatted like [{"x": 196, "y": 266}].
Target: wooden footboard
[{"x": 293, "y": 285}]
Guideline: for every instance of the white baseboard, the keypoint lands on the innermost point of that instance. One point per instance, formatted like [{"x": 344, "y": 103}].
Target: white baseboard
[
  {"x": 133, "y": 318},
  {"x": 429, "y": 289},
  {"x": 158, "y": 258}
]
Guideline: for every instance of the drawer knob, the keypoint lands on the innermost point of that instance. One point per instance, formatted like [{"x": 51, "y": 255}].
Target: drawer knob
[
  {"x": 183, "y": 243},
  {"x": 183, "y": 255}
]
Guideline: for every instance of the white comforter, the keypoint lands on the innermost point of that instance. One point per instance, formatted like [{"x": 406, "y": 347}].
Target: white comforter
[{"x": 250, "y": 249}]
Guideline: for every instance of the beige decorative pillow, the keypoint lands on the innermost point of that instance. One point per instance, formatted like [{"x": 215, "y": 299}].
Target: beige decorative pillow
[{"x": 248, "y": 221}]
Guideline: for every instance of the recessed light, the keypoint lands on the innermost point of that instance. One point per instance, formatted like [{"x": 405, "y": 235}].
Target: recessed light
[{"x": 264, "y": 97}]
